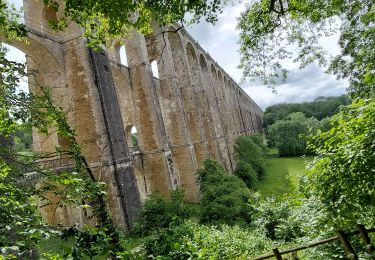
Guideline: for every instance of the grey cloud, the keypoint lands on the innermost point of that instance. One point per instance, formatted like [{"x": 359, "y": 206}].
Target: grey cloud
[
  {"x": 221, "y": 41},
  {"x": 302, "y": 85}
]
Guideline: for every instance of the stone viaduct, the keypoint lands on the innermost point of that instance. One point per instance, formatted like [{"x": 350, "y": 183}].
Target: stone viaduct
[{"x": 192, "y": 110}]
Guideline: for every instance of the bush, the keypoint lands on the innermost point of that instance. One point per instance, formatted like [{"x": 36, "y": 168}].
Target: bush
[
  {"x": 275, "y": 218},
  {"x": 246, "y": 173},
  {"x": 290, "y": 134},
  {"x": 225, "y": 198},
  {"x": 159, "y": 212},
  {"x": 193, "y": 241},
  {"x": 259, "y": 141},
  {"x": 246, "y": 150}
]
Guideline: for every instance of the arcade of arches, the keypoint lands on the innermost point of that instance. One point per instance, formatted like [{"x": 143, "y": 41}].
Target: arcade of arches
[{"x": 190, "y": 111}]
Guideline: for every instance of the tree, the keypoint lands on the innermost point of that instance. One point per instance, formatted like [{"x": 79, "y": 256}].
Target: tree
[
  {"x": 320, "y": 108},
  {"x": 269, "y": 27},
  {"x": 23, "y": 138},
  {"x": 342, "y": 175},
  {"x": 246, "y": 173},
  {"x": 108, "y": 19},
  {"x": 290, "y": 135},
  {"x": 225, "y": 198},
  {"x": 246, "y": 150}
]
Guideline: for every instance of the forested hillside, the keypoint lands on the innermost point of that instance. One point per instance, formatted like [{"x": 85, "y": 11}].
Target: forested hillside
[{"x": 320, "y": 108}]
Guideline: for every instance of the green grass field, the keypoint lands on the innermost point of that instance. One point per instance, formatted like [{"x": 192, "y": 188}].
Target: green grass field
[{"x": 282, "y": 175}]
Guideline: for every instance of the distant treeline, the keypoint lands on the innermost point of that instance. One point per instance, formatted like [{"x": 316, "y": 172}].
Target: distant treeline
[
  {"x": 288, "y": 126},
  {"x": 320, "y": 108}
]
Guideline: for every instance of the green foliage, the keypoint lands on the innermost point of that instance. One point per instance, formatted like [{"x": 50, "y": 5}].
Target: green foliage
[
  {"x": 134, "y": 138},
  {"x": 225, "y": 198},
  {"x": 290, "y": 135},
  {"x": 246, "y": 173},
  {"x": 108, "y": 19},
  {"x": 10, "y": 25},
  {"x": 260, "y": 142},
  {"x": 159, "y": 212},
  {"x": 270, "y": 30},
  {"x": 246, "y": 149},
  {"x": 320, "y": 108},
  {"x": 21, "y": 226},
  {"x": 275, "y": 218},
  {"x": 193, "y": 241},
  {"x": 23, "y": 138},
  {"x": 342, "y": 175}
]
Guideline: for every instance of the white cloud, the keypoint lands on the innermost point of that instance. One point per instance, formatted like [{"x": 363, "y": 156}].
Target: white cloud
[
  {"x": 221, "y": 41},
  {"x": 302, "y": 85}
]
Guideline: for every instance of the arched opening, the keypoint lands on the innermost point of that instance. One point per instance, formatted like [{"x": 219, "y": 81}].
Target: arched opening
[
  {"x": 132, "y": 138},
  {"x": 178, "y": 54},
  {"x": 206, "y": 77},
  {"x": 49, "y": 15},
  {"x": 216, "y": 83},
  {"x": 193, "y": 63},
  {"x": 24, "y": 137},
  {"x": 123, "y": 57},
  {"x": 203, "y": 63},
  {"x": 154, "y": 68},
  {"x": 219, "y": 75},
  {"x": 221, "y": 82},
  {"x": 42, "y": 70},
  {"x": 213, "y": 71}
]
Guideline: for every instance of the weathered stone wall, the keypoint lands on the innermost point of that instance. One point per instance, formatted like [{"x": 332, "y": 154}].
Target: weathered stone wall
[{"x": 191, "y": 112}]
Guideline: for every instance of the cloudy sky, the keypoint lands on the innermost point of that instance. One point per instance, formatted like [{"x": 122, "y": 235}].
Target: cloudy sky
[{"x": 220, "y": 40}]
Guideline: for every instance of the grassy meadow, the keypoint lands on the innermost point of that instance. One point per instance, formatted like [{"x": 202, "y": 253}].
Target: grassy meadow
[{"x": 282, "y": 175}]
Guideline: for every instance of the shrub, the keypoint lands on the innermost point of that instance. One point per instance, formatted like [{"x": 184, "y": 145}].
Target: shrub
[
  {"x": 246, "y": 173},
  {"x": 290, "y": 134},
  {"x": 246, "y": 150},
  {"x": 278, "y": 220},
  {"x": 225, "y": 198},
  {"x": 194, "y": 241},
  {"x": 259, "y": 141},
  {"x": 159, "y": 212}
]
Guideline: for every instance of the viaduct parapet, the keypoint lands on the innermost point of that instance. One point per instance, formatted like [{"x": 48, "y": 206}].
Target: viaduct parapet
[{"x": 141, "y": 132}]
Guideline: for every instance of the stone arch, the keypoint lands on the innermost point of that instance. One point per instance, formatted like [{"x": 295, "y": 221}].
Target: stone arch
[
  {"x": 37, "y": 51},
  {"x": 213, "y": 71},
  {"x": 216, "y": 82},
  {"x": 44, "y": 69},
  {"x": 221, "y": 82},
  {"x": 220, "y": 76},
  {"x": 203, "y": 63},
  {"x": 178, "y": 55},
  {"x": 193, "y": 63}
]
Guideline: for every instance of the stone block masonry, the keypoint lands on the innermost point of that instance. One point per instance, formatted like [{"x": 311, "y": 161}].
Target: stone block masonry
[{"x": 141, "y": 131}]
